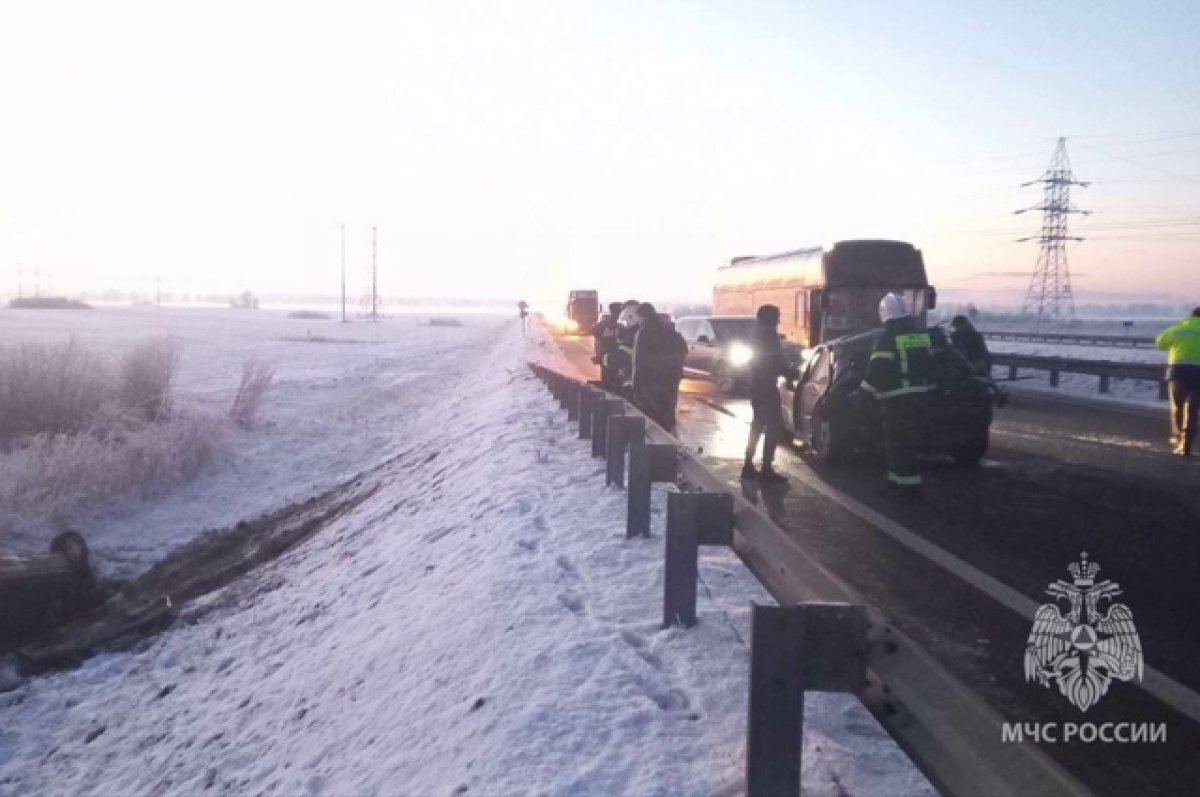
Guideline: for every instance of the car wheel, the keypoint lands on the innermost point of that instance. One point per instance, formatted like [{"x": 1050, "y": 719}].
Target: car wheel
[
  {"x": 723, "y": 378},
  {"x": 827, "y": 441},
  {"x": 969, "y": 453}
]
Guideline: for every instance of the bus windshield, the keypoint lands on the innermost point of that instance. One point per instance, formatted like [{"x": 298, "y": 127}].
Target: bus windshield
[{"x": 852, "y": 310}]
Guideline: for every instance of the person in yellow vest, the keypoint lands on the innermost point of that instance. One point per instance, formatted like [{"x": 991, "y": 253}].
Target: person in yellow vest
[
  {"x": 898, "y": 376},
  {"x": 1182, "y": 342}
]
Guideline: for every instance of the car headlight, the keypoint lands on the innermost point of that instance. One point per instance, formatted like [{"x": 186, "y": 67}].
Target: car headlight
[
  {"x": 740, "y": 354},
  {"x": 572, "y": 325}
]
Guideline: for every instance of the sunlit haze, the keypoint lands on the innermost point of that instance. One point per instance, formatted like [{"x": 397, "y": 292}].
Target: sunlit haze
[{"x": 509, "y": 150}]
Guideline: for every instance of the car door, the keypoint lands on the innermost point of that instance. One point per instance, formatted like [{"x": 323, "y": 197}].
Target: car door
[
  {"x": 706, "y": 346},
  {"x": 813, "y": 386},
  {"x": 686, "y": 327}
]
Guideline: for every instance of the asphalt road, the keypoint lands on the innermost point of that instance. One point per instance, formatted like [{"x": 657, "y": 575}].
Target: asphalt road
[{"x": 1060, "y": 478}]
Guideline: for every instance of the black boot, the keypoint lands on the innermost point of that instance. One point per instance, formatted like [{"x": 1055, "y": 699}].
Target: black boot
[
  {"x": 769, "y": 476},
  {"x": 748, "y": 472}
]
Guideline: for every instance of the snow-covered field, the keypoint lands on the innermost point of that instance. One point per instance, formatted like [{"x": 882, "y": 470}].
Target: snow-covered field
[
  {"x": 341, "y": 393},
  {"x": 479, "y": 626},
  {"x": 1126, "y": 390}
]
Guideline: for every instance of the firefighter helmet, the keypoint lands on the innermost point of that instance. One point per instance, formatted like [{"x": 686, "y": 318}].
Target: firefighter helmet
[{"x": 892, "y": 306}]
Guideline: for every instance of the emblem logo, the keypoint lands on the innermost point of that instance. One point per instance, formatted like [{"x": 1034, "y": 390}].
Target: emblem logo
[{"x": 1085, "y": 649}]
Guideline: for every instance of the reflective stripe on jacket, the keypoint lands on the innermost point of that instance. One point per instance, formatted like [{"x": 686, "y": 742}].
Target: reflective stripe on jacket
[
  {"x": 899, "y": 365},
  {"x": 1182, "y": 342}
]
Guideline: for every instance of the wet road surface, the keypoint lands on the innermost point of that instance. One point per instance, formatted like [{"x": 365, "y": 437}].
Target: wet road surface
[{"x": 1059, "y": 479}]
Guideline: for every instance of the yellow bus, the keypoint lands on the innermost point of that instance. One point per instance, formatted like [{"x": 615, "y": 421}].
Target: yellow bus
[{"x": 825, "y": 294}]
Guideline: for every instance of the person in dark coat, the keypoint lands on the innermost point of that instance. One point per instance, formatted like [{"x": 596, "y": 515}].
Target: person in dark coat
[
  {"x": 621, "y": 358},
  {"x": 766, "y": 366},
  {"x": 604, "y": 335},
  {"x": 966, "y": 338},
  {"x": 658, "y": 355}
]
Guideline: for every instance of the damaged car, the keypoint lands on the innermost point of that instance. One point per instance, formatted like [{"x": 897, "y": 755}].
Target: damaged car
[{"x": 826, "y": 411}]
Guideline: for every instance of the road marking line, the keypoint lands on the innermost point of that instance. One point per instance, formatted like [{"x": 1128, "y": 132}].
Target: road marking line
[{"x": 1158, "y": 684}]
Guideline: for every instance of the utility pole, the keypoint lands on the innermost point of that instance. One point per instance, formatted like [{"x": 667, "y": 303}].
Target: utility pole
[
  {"x": 20, "y": 282},
  {"x": 374, "y": 274},
  {"x": 158, "y": 290},
  {"x": 343, "y": 273},
  {"x": 1050, "y": 296}
]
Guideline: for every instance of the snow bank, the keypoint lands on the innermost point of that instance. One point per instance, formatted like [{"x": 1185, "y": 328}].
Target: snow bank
[{"x": 479, "y": 626}]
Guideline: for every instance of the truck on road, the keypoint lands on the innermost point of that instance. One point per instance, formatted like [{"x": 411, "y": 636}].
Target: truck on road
[
  {"x": 825, "y": 294},
  {"x": 583, "y": 311}
]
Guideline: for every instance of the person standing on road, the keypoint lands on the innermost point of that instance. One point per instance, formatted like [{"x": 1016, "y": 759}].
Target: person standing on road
[
  {"x": 658, "y": 355},
  {"x": 898, "y": 376},
  {"x": 1182, "y": 341},
  {"x": 766, "y": 366},
  {"x": 605, "y": 337},
  {"x": 966, "y": 338},
  {"x": 621, "y": 358}
]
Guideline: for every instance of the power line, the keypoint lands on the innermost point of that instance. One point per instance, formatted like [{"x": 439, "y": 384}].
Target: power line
[{"x": 1050, "y": 294}]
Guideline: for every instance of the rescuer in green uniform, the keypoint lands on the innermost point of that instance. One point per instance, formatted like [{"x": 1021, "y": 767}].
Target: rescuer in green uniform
[
  {"x": 898, "y": 376},
  {"x": 1182, "y": 341}
]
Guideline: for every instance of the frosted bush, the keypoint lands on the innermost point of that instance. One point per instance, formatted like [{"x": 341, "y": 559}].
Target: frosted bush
[
  {"x": 51, "y": 389},
  {"x": 252, "y": 389},
  {"x": 147, "y": 376},
  {"x": 62, "y": 471}
]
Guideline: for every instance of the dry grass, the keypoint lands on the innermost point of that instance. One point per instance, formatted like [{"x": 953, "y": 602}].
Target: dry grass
[
  {"x": 79, "y": 429},
  {"x": 147, "y": 376},
  {"x": 59, "y": 472},
  {"x": 252, "y": 389},
  {"x": 57, "y": 389}
]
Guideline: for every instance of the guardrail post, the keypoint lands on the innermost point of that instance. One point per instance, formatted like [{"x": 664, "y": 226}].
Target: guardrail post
[
  {"x": 587, "y": 399},
  {"x": 1053, "y": 378},
  {"x": 564, "y": 387},
  {"x": 648, "y": 463},
  {"x": 1012, "y": 373},
  {"x": 693, "y": 519},
  {"x": 1104, "y": 380},
  {"x": 602, "y": 408},
  {"x": 817, "y": 647},
  {"x": 622, "y": 431},
  {"x": 572, "y": 400}
]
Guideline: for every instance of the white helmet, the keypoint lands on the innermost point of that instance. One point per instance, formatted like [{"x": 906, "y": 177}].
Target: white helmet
[{"x": 892, "y": 306}]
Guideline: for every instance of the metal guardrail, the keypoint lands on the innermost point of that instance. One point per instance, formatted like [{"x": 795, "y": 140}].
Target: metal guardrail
[
  {"x": 1107, "y": 370},
  {"x": 951, "y": 734},
  {"x": 1073, "y": 339}
]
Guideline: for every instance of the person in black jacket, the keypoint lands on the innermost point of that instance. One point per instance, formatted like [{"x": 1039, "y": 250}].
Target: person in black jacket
[
  {"x": 966, "y": 338},
  {"x": 604, "y": 335},
  {"x": 766, "y": 366},
  {"x": 658, "y": 355}
]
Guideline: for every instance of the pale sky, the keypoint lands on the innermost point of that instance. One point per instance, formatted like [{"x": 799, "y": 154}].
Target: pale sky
[{"x": 525, "y": 148}]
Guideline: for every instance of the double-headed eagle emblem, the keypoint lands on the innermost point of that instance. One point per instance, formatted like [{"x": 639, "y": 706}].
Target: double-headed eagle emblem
[{"x": 1085, "y": 649}]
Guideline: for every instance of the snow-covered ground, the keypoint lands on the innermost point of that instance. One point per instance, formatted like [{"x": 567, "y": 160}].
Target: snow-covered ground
[
  {"x": 341, "y": 392},
  {"x": 479, "y": 626}
]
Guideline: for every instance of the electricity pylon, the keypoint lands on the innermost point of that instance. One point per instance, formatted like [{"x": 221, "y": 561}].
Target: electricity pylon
[{"x": 1049, "y": 297}]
